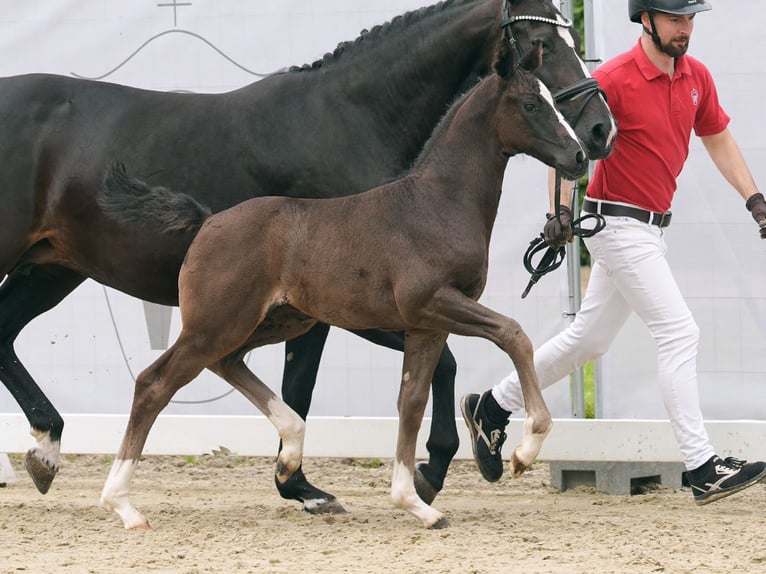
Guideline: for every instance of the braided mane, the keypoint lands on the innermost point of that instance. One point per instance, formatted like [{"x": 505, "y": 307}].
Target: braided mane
[{"x": 367, "y": 36}]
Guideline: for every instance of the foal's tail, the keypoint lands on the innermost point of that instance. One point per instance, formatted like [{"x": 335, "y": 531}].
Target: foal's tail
[{"x": 131, "y": 201}]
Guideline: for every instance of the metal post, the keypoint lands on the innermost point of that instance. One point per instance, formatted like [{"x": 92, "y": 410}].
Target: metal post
[
  {"x": 573, "y": 277},
  {"x": 593, "y": 57}
]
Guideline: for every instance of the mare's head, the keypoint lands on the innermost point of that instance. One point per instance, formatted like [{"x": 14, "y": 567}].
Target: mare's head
[
  {"x": 527, "y": 119},
  {"x": 529, "y": 23}
]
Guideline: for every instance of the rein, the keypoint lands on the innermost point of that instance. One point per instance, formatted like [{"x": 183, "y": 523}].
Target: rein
[
  {"x": 554, "y": 257},
  {"x": 586, "y": 89}
]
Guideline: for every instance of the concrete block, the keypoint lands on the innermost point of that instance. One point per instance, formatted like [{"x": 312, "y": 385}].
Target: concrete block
[{"x": 615, "y": 477}]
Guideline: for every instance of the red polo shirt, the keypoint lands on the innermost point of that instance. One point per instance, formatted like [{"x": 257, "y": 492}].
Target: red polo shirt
[{"x": 655, "y": 116}]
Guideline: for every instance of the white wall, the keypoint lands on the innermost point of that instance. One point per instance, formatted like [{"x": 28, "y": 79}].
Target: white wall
[{"x": 85, "y": 352}]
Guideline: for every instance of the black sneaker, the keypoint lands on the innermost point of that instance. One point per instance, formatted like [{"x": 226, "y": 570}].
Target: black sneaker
[
  {"x": 486, "y": 439},
  {"x": 718, "y": 478}
]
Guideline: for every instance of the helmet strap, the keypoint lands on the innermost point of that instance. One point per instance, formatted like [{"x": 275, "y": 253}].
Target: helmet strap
[{"x": 653, "y": 32}]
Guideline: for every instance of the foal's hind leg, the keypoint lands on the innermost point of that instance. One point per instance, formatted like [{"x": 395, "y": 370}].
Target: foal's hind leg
[
  {"x": 421, "y": 351},
  {"x": 289, "y": 425},
  {"x": 155, "y": 386},
  {"x": 302, "y": 356},
  {"x": 25, "y": 294}
]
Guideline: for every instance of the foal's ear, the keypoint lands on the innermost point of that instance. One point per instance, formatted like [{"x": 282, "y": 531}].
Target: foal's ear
[
  {"x": 533, "y": 59},
  {"x": 505, "y": 60}
]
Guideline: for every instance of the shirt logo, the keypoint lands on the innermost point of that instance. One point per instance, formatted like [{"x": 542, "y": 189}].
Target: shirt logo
[{"x": 695, "y": 97}]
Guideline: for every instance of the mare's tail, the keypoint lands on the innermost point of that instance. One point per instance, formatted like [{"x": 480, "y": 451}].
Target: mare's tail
[{"x": 131, "y": 201}]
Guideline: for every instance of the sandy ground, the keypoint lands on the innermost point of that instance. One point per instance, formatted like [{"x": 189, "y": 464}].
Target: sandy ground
[{"x": 221, "y": 513}]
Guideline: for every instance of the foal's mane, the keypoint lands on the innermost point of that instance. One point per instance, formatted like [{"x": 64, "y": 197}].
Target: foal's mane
[{"x": 376, "y": 32}]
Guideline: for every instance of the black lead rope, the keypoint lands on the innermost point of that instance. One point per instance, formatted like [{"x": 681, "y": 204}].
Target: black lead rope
[{"x": 553, "y": 256}]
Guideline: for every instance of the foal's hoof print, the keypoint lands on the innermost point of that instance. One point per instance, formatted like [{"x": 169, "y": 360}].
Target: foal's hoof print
[
  {"x": 327, "y": 507},
  {"x": 42, "y": 474},
  {"x": 440, "y": 524}
]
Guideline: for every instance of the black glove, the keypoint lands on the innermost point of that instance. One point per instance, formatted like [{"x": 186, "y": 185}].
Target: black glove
[
  {"x": 558, "y": 233},
  {"x": 757, "y": 207}
]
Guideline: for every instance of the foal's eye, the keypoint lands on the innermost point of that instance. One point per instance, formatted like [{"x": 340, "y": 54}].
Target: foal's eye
[{"x": 530, "y": 107}]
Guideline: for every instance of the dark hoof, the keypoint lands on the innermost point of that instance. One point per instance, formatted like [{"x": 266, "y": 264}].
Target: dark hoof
[
  {"x": 517, "y": 466},
  {"x": 425, "y": 489},
  {"x": 441, "y": 523},
  {"x": 42, "y": 475},
  {"x": 324, "y": 507}
]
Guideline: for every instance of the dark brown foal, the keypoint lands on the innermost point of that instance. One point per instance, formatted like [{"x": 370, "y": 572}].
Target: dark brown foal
[{"x": 409, "y": 256}]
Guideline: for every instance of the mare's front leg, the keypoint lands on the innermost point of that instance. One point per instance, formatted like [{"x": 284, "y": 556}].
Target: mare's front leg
[
  {"x": 443, "y": 440},
  {"x": 23, "y": 296},
  {"x": 421, "y": 352},
  {"x": 302, "y": 356}
]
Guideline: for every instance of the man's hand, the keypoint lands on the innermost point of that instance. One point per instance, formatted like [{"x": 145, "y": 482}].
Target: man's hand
[
  {"x": 757, "y": 207},
  {"x": 558, "y": 233}
]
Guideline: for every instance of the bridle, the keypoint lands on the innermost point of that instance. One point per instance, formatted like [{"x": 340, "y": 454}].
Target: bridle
[{"x": 586, "y": 89}]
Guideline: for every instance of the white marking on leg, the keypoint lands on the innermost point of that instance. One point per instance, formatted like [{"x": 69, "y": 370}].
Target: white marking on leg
[
  {"x": 291, "y": 429},
  {"x": 116, "y": 494},
  {"x": 46, "y": 450},
  {"x": 405, "y": 497},
  {"x": 526, "y": 453}
]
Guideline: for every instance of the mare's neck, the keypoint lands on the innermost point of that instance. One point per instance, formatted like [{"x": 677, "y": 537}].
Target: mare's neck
[{"x": 402, "y": 77}]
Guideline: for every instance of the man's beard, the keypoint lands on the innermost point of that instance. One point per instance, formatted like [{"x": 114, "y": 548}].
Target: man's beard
[{"x": 670, "y": 49}]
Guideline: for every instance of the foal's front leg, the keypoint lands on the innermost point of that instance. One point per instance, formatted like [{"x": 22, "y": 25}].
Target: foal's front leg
[
  {"x": 453, "y": 311},
  {"x": 421, "y": 352}
]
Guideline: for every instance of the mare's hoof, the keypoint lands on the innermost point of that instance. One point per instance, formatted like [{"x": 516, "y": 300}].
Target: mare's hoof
[
  {"x": 42, "y": 474},
  {"x": 325, "y": 507},
  {"x": 441, "y": 523},
  {"x": 425, "y": 489}
]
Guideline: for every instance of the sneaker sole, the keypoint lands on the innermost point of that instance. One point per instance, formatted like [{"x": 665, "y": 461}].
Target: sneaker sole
[
  {"x": 719, "y": 494},
  {"x": 469, "y": 423}
]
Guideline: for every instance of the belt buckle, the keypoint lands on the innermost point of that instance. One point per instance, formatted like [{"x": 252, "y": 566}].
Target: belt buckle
[{"x": 662, "y": 219}]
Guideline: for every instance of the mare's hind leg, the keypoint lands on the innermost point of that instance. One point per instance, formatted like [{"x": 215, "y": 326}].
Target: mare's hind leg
[
  {"x": 302, "y": 355},
  {"x": 421, "y": 352},
  {"x": 443, "y": 440},
  {"x": 25, "y": 294}
]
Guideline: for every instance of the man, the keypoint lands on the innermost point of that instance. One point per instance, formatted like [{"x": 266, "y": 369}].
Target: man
[{"x": 657, "y": 94}]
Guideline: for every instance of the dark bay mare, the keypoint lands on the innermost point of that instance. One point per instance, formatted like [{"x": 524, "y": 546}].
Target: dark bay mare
[
  {"x": 350, "y": 122},
  {"x": 410, "y": 256}
]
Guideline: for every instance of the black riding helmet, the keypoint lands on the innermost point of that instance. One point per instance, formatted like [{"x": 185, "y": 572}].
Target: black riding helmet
[
  {"x": 680, "y": 7},
  {"x": 635, "y": 7}
]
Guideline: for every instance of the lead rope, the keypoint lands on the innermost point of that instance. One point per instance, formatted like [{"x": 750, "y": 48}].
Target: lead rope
[{"x": 554, "y": 256}]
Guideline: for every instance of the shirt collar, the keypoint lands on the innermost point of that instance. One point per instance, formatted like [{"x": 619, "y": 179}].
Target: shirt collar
[{"x": 649, "y": 70}]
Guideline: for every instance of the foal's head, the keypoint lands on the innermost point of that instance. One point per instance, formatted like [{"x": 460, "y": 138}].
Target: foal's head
[{"x": 527, "y": 119}]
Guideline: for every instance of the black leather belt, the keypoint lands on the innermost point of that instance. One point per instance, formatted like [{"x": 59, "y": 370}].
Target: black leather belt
[{"x": 615, "y": 209}]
